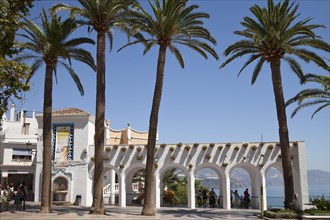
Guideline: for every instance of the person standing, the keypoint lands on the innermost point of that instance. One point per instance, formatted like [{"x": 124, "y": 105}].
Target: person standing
[
  {"x": 237, "y": 202},
  {"x": 204, "y": 198},
  {"x": 212, "y": 198},
  {"x": 19, "y": 199},
  {"x": 24, "y": 190},
  {"x": 6, "y": 197},
  {"x": 199, "y": 198},
  {"x": 246, "y": 198}
]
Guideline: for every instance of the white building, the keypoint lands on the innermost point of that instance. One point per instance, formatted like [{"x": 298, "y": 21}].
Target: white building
[
  {"x": 125, "y": 154},
  {"x": 18, "y": 144}
]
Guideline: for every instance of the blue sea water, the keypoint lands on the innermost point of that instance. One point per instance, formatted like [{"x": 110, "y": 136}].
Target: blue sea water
[{"x": 275, "y": 194}]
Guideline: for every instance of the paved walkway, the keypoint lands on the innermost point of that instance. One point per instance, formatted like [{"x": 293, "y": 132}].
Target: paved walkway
[{"x": 130, "y": 212}]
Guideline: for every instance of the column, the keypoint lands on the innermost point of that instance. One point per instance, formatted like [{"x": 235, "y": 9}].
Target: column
[
  {"x": 191, "y": 190},
  {"x": 300, "y": 174},
  {"x": 258, "y": 180},
  {"x": 122, "y": 190},
  {"x": 226, "y": 191},
  {"x": 112, "y": 187},
  {"x": 157, "y": 191}
]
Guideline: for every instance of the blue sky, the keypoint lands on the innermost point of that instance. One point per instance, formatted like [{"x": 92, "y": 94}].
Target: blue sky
[{"x": 200, "y": 103}]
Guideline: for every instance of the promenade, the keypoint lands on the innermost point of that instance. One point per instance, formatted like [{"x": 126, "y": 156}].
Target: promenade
[{"x": 131, "y": 212}]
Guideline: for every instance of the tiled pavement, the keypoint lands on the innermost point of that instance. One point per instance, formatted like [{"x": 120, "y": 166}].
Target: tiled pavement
[{"x": 131, "y": 212}]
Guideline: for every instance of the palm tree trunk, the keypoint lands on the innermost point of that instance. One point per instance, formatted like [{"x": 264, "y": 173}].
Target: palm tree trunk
[
  {"x": 97, "y": 207},
  {"x": 149, "y": 205},
  {"x": 283, "y": 133},
  {"x": 46, "y": 197}
]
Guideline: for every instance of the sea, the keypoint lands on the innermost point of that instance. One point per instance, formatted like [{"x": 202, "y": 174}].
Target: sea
[{"x": 275, "y": 194}]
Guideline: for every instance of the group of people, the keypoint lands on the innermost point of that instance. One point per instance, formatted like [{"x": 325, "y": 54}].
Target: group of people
[
  {"x": 240, "y": 201},
  {"x": 202, "y": 197},
  {"x": 8, "y": 194}
]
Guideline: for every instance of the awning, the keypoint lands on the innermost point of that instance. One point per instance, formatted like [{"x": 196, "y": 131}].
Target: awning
[{"x": 21, "y": 152}]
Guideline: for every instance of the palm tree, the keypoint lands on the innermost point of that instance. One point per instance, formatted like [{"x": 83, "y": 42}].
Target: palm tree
[
  {"x": 313, "y": 96},
  {"x": 103, "y": 16},
  {"x": 51, "y": 46},
  {"x": 271, "y": 38},
  {"x": 172, "y": 23}
]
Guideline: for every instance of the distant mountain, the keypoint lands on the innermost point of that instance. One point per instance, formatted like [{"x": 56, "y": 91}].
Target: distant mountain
[
  {"x": 318, "y": 177},
  {"x": 240, "y": 178}
]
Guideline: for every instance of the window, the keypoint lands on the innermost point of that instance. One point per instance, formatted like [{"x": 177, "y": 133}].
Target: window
[
  {"x": 20, "y": 154},
  {"x": 62, "y": 143}
]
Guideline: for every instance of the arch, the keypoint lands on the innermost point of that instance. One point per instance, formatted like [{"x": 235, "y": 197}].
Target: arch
[
  {"x": 133, "y": 191},
  {"x": 255, "y": 180},
  {"x": 221, "y": 179},
  {"x": 60, "y": 188},
  {"x": 274, "y": 192},
  {"x": 162, "y": 173}
]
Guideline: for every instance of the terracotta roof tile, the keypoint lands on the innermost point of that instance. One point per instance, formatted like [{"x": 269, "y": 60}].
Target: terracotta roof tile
[{"x": 69, "y": 111}]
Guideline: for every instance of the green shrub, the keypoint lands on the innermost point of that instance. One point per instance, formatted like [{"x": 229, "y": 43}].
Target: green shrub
[
  {"x": 321, "y": 203},
  {"x": 282, "y": 213}
]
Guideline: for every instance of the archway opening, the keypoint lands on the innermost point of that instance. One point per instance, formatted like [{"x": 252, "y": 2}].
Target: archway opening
[
  {"x": 240, "y": 187},
  {"x": 274, "y": 188},
  {"x": 174, "y": 188},
  {"x": 110, "y": 187},
  {"x": 60, "y": 189},
  {"x": 135, "y": 195},
  {"x": 206, "y": 181}
]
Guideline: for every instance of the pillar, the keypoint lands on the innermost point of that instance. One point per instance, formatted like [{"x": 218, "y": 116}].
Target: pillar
[
  {"x": 191, "y": 190},
  {"x": 112, "y": 187},
  {"x": 157, "y": 190},
  {"x": 300, "y": 174},
  {"x": 122, "y": 190},
  {"x": 226, "y": 191}
]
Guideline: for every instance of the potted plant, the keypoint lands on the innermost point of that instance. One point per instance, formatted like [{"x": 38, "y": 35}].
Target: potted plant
[
  {"x": 228, "y": 144},
  {"x": 212, "y": 145},
  {"x": 179, "y": 144},
  {"x": 190, "y": 166},
  {"x": 163, "y": 145},
  {"x": 220, "y": 148},
  {"x": 245, "y": 145},
  {"x": 225, "y": 164},
  {"x": 195, "y": 144},
  {"x": 270, "y": 147},
  {"x": 172, "y": 148},
  {"x": 254, "y": 147},
  {"x": 121, "y": 166},
  {"x": 115, "y": 146},
  {"x": 131, "y": 146},
  {"x": 139, "y": 149},
  {"x": 108, "y": 149},
  {"x": 139, "y": 157},
  {"x": 204, "y": 147},
  {"x": 187, "y": 148},
  {"x": 208, "y": 156},
  {"x": 236, "y": 148},
  {"x": 123, "y": 149},
  {"x": 172, "y": 157}
]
